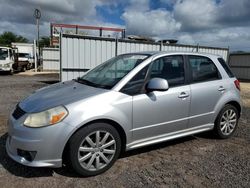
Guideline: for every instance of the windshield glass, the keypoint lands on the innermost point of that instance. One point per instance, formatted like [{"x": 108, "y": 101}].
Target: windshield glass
[
  {"x": 112, "y": 71},
  {"x": 26, "y": 55},
  {"x": 3, "y": 53}
]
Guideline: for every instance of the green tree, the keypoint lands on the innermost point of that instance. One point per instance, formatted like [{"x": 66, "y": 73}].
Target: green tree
[
  {"x": 8, "y": 37},
  {"x": 44, "y": 42}
]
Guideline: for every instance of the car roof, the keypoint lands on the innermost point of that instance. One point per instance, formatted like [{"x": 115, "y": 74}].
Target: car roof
[{"x": 156, "y": 53}]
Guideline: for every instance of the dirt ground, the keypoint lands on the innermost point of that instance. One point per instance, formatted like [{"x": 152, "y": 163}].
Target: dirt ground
[{"x": 194, "y": 161}]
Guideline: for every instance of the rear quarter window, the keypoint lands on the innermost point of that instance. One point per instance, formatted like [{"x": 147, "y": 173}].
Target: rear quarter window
[{"x": 226, "y": 68}]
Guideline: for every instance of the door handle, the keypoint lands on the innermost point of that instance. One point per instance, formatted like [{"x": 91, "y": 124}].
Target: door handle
[
  {"x": 221, "y": 88},
  {"x": 183, "y": 95}
]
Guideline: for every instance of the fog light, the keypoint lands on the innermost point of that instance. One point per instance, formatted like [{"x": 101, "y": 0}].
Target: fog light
[{"x": 27, "y": 155}]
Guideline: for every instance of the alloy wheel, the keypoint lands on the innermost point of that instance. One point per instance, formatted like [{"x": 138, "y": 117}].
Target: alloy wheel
[
  {"x": 228, "y": 122},
  {"x": 96, "y": 150}
]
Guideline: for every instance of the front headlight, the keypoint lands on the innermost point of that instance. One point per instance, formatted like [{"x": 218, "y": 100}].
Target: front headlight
[
  {"x": 7, "y": 65},
  {"x": 45, "y": 118}
]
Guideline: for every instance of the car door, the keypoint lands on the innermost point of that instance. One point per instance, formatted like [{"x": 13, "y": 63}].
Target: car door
[
  {"x": 206, "y": 90},
  {"x": 158, "y": 113}
]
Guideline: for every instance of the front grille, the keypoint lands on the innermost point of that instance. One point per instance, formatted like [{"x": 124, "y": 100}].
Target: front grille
[{"x": 18, "y": 112}]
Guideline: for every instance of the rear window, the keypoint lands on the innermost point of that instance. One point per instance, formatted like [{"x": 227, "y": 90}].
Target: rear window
[{"x": 226, "y": 68}]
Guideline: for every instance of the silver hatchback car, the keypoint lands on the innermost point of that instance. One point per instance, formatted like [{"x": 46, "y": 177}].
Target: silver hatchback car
[{"x": 130, "y": 101}]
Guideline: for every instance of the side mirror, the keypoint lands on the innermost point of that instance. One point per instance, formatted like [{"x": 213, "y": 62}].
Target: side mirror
[{"x": 157, "y": 84}]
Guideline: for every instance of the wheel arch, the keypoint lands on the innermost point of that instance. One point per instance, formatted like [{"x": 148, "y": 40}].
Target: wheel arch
[
  {"x": 220, "y": 106},
  {"x": 236, "y": 105},
  {"x": 116, "y": 125},
  {"x": 217, "y": 129}
]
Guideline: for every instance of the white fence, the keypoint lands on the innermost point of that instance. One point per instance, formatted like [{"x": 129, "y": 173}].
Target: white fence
[
  {"x": 81, "y": 53},
  {"x": 51, "y": 58}
]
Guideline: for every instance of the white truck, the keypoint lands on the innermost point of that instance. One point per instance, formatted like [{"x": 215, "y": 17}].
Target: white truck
[
  {"x": 25, "y": 53},
  {"x": 7, "y": 59}
]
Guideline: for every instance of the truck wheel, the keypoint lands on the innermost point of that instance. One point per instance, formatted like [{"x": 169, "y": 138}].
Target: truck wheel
[
  {"x": 24, "y": 68},
  {"x": 94, "y": 149}
]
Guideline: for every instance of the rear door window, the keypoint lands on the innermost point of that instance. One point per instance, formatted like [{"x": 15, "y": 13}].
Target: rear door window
[{"x": 202, "y": 69}]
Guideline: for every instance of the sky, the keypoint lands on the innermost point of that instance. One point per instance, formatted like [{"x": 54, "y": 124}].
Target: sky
[{"x": 217, "y": 23}]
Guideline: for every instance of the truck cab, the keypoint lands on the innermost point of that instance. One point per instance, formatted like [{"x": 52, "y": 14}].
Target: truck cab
[
  {"x": 25, "y": 56},
  {"x": 25, "y": 62},
  {"x": 6, "y": 59}
]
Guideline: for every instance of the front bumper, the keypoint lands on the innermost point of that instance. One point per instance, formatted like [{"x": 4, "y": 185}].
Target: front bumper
[
  {"x": 2, "y": 69},
  {"x": 47, "y": 142}
]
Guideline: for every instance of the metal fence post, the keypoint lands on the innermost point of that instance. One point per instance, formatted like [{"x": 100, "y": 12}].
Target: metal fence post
[
  {"x": 116, "y": 46},
  {"x": 161, "y": 44},
  {"x": 228, "y": 56},
  {"x": 123, "y": 33},
  {"x": 197, "y": 48},
  {"x": 60, "y": 56}
]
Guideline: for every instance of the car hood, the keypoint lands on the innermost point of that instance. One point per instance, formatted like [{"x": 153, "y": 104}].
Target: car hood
[{"x": 58, "y": 94}]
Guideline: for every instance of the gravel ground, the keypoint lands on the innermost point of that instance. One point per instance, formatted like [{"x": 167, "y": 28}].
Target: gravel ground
[{"x": 194, "y": 161}]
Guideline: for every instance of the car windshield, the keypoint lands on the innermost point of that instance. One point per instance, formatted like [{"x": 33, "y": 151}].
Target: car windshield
[
  {"x": 3, "y": 53},
  {"x": 112, "y": 71},
  {"x": 26, "y": 55}
]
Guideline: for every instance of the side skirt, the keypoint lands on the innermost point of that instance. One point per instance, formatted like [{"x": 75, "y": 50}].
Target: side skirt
[{"x": 169, "y": 136}]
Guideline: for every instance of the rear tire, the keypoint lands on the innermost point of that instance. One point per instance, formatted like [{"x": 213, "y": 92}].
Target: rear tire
[
  {"x": 226, "y": 122},
  {"x": 94, "y": 149}
]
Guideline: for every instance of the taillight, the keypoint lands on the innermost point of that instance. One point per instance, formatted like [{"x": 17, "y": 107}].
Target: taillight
[{"x": 237, "y": 84}]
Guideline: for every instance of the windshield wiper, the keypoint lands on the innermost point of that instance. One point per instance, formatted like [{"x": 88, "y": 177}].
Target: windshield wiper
[
  {"x": 83, "y": 81},
  {"x": 89, "y": 83}
]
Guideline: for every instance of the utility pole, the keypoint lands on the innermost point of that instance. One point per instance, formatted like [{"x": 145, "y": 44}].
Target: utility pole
[
  {"x": 37, "y": 15},
  {"x": 35, "y": 56}
]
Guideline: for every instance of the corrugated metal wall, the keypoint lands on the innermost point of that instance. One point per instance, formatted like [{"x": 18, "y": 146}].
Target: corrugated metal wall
[
  {"x": 240, "y": 65},
  {"x": 80, "y": 53},
  {"x": 51, "y": 59},
  {"x": 125, "y": 46}
]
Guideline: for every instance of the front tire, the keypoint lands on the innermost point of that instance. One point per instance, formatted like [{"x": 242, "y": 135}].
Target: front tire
[
  {"x": 24, "y": 68},
  {"x": 226, "y": 122},
  {"x": 94, "y": 149}
]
